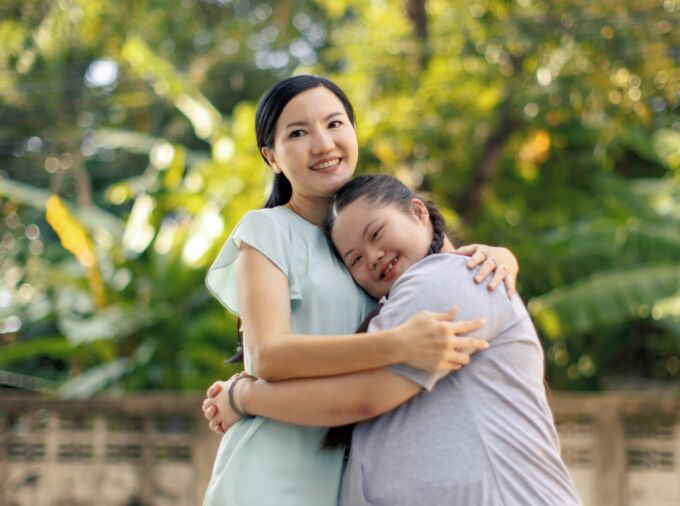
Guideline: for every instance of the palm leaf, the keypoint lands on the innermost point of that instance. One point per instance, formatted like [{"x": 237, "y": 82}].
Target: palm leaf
[
  {"x": 604, "y": 299},
  {"x": 54, "y": 347},
  {"x": 94, "y": 218},
  {"x": 114, "y": 322},
  {"x": 94, "y": 380}
]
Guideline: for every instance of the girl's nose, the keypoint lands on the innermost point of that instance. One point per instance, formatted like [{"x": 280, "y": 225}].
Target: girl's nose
[{"x": 374, "y": 257}]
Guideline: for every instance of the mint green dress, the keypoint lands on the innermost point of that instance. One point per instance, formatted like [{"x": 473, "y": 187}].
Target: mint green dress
[{"x": 261, "y": 462}]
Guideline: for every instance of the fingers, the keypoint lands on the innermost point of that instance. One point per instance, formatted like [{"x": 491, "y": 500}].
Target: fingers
[
  {"x": 467, "y": 250},
  {"x": 499, "y": 275},
  {"x": 509, "y": 281},
  {"x": 448, "y": 315},
  {"x": 214, "y": 389},
  {"x": 479, "y": 256},
  {"x": 216, "y": 427},
  {"x": 468, "y": 344},
  {"x": 465, "y": 326},
  {"x": 488, "y": 266},
  {"x": 209, "y": 412}
]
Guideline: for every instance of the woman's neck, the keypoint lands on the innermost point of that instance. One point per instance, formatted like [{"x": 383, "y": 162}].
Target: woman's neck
[{"x": 312, "y": 210}]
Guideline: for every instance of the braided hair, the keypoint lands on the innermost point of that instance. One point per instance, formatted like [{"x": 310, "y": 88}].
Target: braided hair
[{"x": 379, "y": 190}]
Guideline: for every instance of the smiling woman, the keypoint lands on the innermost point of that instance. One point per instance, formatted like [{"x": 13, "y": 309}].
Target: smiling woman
[
  {"x": 299, "y": 305},
  {"x": 316, "y": 149}
]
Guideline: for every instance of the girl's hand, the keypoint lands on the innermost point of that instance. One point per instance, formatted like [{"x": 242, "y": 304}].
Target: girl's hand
[
  {"x": 216, "y": 408},
  {"x": 498, "y": 260},
  {"x": 431, "y": 341}
]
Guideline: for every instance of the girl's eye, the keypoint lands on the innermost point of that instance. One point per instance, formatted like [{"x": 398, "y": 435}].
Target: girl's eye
[
  {"x": 376, "y": 234},
  {"x": 335, "y": 123},
  {"x": 296, "y": 133},
  {"x": 355, "y": 261}
]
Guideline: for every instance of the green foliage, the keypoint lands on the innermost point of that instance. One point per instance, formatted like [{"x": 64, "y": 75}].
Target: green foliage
[{"x": 550, "y": 128}]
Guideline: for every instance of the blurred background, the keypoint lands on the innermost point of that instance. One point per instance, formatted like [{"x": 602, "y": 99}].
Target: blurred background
[{"x": 127, "y": 154}]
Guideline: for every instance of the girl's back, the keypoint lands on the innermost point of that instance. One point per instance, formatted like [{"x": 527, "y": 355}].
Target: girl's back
[{"x": 483, "y": 435}]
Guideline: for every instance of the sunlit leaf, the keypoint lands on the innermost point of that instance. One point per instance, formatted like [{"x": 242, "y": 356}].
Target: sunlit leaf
[{"x": 94, "y": 380}]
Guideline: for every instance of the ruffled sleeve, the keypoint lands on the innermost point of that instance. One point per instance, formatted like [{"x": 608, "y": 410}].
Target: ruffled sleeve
[{"x": 270, "y": 235}]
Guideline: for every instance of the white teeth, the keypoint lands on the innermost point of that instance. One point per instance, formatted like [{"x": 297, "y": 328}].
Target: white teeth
[
  {"x": 390, "y": 267},
  {"x": 325, "y": 165}
]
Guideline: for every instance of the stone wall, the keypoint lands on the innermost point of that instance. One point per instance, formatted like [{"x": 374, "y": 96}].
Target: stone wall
[{"x": 622, "y": 450}]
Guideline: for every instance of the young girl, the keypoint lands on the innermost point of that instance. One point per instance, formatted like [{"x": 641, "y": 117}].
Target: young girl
[
  {"x": 481, "y": 436},
  {"x": 299, "y": 305}
]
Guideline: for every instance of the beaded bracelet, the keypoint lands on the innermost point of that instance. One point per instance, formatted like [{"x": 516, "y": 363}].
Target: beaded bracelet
[{"x": 232, "y": 401}]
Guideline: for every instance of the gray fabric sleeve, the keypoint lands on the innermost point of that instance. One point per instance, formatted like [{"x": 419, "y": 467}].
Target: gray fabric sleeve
[{"x": 437, "y": 283}]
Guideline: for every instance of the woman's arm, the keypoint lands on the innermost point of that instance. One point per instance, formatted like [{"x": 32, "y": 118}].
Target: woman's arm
[
  {"x": 493, "y": 259},
  {"x": 316, "y": 402},
  {"x": 427, "y": 340}
]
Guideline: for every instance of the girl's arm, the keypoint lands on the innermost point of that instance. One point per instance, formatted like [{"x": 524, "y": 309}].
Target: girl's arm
[
  {"x": 316, "y": 402},
  {"x": 427, "y": 340}
]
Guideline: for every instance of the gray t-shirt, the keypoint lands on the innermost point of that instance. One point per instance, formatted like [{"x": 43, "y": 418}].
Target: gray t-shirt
[{"x": 482, "y": 436}]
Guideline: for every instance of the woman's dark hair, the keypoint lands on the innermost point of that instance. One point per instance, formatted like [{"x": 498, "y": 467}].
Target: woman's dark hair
[
  {"x": 379, "y": 190},
  {"x": 268, "y": 112},
  {"x": 269, "y": 109}
]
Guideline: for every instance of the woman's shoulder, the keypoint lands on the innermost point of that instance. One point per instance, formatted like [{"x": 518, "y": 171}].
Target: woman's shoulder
[{"x": 279, "y": 217}]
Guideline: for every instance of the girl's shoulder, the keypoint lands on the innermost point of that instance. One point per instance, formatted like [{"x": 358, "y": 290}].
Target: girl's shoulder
[{"x": 436, "y": 267}]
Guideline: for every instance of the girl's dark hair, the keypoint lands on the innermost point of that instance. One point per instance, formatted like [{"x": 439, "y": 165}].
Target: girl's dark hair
[
  {"x": 380, "y": 190},
  {"x": 268, "y": 112},
  {"x": 269, "y": 109}
]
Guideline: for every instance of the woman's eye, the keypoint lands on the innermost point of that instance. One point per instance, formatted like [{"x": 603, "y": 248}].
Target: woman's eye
[
  {"x": 335, "y": 123},
  {"x": 297, "y": 133}
]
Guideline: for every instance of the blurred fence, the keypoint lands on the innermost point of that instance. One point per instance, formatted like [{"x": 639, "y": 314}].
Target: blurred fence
[{"x": 622, "y": 450}]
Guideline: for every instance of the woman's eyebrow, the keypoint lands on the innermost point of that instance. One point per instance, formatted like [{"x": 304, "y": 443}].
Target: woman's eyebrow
[
  {"x": 304, "y": 123},
  {"x": 363, "y": 234}
]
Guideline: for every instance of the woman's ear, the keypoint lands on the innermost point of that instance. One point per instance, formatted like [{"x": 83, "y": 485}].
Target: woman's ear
[
  {"x": 419, "y": 209},
  {"x": 271, "y": 160}
]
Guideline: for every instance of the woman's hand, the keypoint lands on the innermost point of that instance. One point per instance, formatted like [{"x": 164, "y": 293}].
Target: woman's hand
[
  {"x": 216, "y": 408},
  {"x": 498, "y": 260},
  {"x": 431, "y": 341}
]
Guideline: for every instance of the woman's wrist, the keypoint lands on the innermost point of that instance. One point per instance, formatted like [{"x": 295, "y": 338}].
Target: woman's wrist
[
  {"x": 234, "y": 394},
  {"x": 242, "y": 395}
]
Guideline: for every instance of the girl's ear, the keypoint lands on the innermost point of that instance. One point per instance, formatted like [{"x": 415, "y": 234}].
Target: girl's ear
[
  {"x": 271, "y": 160},
  {"x": 420, "y": 211}
]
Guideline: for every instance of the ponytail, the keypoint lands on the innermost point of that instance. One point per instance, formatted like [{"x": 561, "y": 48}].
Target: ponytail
[{"x": 281, "y": 191}]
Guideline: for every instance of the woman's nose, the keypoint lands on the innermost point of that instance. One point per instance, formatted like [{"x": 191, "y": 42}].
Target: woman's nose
[{"x": 322, "y": 142}]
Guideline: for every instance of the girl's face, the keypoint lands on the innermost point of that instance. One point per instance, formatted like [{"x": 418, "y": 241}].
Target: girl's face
[
  {"x": 378, "y": 244},
  {"x": 315, "y": 145}
]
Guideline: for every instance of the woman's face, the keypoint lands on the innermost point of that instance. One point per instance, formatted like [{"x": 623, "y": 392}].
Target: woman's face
[
  {"x": 315, "y": 145},
  {"x": 378, "y": 244}
]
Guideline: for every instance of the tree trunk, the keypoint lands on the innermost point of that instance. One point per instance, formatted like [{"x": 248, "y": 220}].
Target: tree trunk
[{"x": 469, "y": 203}]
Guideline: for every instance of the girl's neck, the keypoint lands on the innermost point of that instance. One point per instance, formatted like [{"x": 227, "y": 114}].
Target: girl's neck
[{"x": 312, "y": 210}]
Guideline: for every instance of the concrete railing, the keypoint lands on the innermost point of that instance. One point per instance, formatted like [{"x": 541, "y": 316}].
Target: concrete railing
[{"x": 622, "y": 450}]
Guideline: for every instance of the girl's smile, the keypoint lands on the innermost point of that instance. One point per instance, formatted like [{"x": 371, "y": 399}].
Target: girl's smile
[{"x": 379, "y": 243}]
